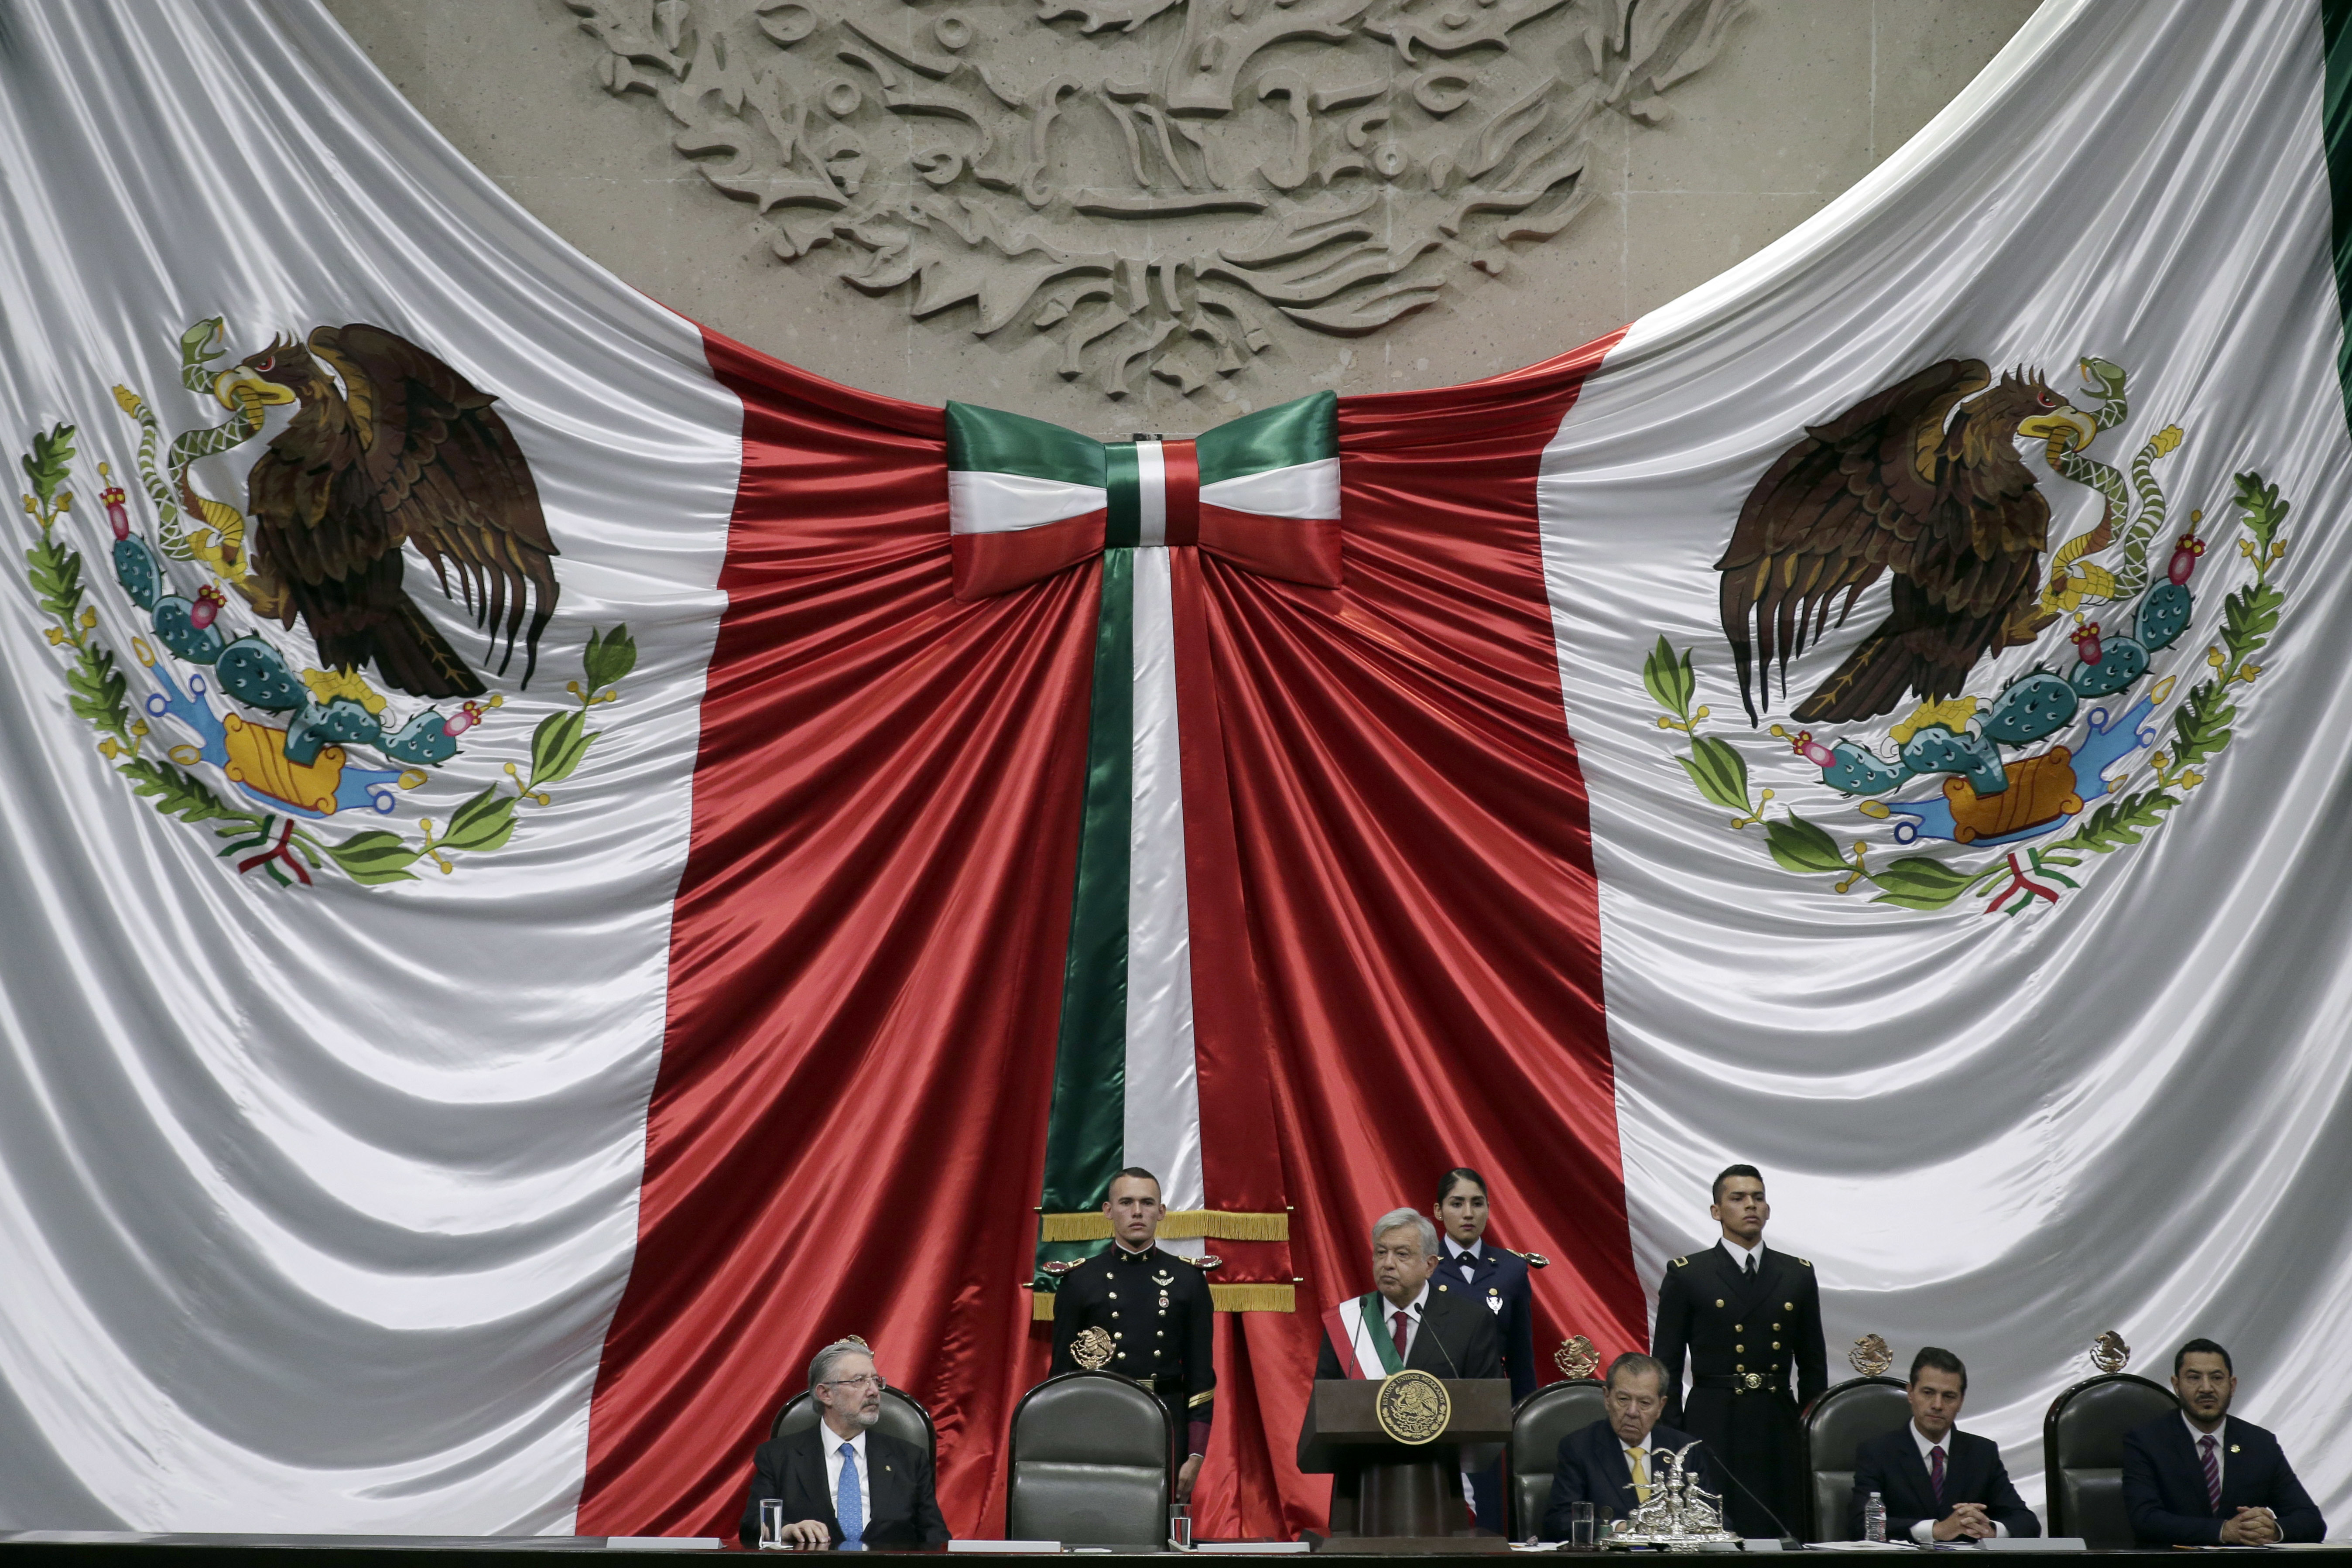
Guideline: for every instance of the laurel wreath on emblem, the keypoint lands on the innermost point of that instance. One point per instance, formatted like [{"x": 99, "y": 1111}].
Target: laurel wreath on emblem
[
  {"x": 2060, "y": 764},
  {"x": 1092, "y": 1348},
  {"x": 236, "y": 731},
  {"x": 1412, "y": 1406}
]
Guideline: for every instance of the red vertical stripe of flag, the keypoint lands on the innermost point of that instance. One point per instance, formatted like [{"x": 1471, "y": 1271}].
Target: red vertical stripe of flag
[
  {"x": 1415, "y": 860},
  {"x": 847, "y": 1126}
]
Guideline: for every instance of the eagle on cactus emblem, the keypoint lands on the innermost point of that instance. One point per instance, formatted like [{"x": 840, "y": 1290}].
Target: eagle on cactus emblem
[
  {"x": 283, "y": 677},
  {"x": 1932, "y": 729}
]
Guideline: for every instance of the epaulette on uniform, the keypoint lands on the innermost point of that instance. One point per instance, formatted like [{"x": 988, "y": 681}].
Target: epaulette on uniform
[
  {"x": 1681, "y": 1262},
  {"x": 1806, "y": 1261}
]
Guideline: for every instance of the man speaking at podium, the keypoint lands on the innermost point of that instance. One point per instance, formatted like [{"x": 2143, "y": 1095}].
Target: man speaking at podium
[{"x": 1408, "y": 1321}]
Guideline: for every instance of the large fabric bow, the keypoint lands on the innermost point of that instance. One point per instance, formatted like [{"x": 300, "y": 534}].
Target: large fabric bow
[{"x": 1027, "y": 499}]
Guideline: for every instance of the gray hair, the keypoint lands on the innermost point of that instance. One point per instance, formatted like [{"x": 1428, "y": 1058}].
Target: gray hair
[
  {"x": 1396, "y": 1219},
  {"x": 828, "y": 1361},
  {"x": 1635, "y": 1362}
]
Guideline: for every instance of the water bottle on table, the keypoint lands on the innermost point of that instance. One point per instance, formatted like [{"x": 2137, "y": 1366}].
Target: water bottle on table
[{"x": 1874, "y": 1518}]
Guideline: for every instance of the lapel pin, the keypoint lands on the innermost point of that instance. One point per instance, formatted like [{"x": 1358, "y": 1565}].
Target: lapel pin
[{"x": 2233, "y": 1447}]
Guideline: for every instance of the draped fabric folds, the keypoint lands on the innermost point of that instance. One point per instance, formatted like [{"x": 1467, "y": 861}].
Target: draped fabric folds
[{"x": 847, "y": 1134}]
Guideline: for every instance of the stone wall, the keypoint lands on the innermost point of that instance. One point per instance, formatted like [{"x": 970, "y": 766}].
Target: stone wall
[{"x": 1161, "y": 212}]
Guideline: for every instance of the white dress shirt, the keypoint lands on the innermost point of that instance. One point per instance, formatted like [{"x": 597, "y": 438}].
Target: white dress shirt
[
  {"x": 833, "y": 1475},
  {"x": 2220, "y": 1445},
  {"x": 1464, "y": 1259},
  {"x": 1740, "y": 1253},
  {"x": 1924, "y": 1530},
  {"x": 1412, "y": 1311}
]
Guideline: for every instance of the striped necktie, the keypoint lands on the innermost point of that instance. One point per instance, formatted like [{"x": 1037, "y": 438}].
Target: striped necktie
[{"x": 2212, "y": 1473}]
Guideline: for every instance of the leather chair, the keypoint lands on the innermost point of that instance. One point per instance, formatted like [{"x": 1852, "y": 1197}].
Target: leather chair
[
  {"x": 902, "y": 1417},
  {"x": 2082, "y": 1454},
  {"x": 1838, "y": 1422},
  {"x": 1537, "y": 1424},
  {"x": 1090, "y": 1463}
]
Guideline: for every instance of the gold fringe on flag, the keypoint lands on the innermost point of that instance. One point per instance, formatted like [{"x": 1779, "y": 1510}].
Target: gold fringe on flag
[
  {"x": 1214, "y": 1224},
  {"x": 1255, "y": 1298},
  {"x": 1224, "y": 1297}
]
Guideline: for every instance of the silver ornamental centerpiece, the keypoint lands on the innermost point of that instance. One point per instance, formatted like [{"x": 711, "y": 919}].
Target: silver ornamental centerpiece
[{"x": 1680, "y": 1515}]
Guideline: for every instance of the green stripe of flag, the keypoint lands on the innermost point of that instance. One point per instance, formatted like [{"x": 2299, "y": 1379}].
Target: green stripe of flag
[
  {"x": 988, "y": 440},
  {"x": 1086, "y": 1131},
  {"x": 1283, "y": 436},
  {"x": 1123, "y": 527},
  {"x": 2336, "y": 129}
]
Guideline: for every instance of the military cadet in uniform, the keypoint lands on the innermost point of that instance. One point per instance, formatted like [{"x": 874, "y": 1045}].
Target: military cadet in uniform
[
  {"x": 1496, "y": 1278},
  {"x": 1749, "y": 1320},
  {"x": 1156, "y": 1308}
]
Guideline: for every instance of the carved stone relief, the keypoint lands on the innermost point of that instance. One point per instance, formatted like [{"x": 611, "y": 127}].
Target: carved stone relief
[{"x": 1153, "y": 184}]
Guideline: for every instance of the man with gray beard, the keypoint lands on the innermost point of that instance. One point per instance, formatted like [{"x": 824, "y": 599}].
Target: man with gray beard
[{"x": 841, "y": 1483}]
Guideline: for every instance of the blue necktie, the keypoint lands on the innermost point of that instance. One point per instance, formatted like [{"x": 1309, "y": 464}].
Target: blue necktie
[{"x": 846, "y": 1504}]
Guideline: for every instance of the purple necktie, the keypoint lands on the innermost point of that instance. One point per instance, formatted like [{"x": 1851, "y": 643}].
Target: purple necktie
[
  {"x": 1936, "y": 1471},
  {"x": 2212, "y": 1474}
]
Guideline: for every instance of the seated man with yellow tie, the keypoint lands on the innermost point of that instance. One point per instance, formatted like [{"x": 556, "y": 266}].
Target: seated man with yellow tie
[{"x": 1613, "y": 1463}]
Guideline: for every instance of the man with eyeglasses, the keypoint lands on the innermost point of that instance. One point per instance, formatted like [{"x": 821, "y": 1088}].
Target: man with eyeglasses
[{"x": 841, "y": 1482}]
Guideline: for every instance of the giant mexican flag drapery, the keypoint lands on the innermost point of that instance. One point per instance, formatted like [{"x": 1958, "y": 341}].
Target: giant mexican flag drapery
[{"x": 434, "y": 1102}]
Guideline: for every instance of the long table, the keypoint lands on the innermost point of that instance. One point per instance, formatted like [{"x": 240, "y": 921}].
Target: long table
[{"x": 125, "y": 1549}]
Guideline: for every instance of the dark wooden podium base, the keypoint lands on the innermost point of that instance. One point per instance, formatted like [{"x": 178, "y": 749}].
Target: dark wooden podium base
[{"x": 1412, "y": 1506}]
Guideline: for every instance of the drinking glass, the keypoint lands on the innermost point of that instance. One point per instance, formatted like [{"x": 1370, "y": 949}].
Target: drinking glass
[
  {"x": 1180, "y": 1527},
  {"x": 771, "y": 1521},
  {"x": 1579, "y": 1527}
]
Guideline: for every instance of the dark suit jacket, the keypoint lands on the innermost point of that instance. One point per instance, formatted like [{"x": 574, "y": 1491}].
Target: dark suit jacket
[
  {"x": 2164, "y": 1484},
  {"x": 1455, "y": 1338},
  {"x": 1889, "y": 1465},
  {"x": 905, "y": 1506},
  {"x": 1591, "y": 1469},
  {"x": 1500, "y": 1285}
]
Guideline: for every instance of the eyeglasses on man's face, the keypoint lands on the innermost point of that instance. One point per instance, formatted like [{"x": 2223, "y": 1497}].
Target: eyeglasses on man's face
[{"x": 871, "y": 1380}]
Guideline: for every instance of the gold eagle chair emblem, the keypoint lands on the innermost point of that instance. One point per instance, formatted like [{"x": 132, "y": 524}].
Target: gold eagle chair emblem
[{"x": 1412, "y": 1406}]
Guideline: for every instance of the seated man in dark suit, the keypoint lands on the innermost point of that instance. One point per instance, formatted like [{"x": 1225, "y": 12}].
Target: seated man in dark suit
[
  {"x": 1612, "y": 1464},
  {"x": 2204, "y": 1478},
  {"x": 841, "y": 1482},
  {"x": 1937, "y": 1484}
]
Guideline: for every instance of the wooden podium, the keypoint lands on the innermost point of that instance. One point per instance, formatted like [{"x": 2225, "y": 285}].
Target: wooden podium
[{"x": 1387, "y": 1496}]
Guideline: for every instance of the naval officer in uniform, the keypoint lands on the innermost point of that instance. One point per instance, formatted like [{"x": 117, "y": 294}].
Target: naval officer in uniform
[
  {"x": 1156, "y": 1308},
  {"x": 1748, "y": 1318},
  {"x": 1497, "y": 1279}
]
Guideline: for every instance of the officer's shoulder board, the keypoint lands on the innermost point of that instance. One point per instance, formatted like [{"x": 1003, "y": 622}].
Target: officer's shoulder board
[
  {"x": 1681, "y": 1262},
  {"x": 1806, "y": 1261}
]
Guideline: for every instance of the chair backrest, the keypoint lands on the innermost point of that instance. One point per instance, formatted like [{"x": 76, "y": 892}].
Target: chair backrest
[
  {"x": 902, "y": 1417},
  {"x": 1537, "y": 1424},
  {"x": 1838, "y": 1422},
  {"x": 2083, "y": 1452},
  {"x": 1090, "y": 1455}
]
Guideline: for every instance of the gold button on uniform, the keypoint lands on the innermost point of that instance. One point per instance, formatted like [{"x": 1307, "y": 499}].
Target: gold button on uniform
[
  {"x": 1738, "y": 1327},
  {"x": 1738, "y": 1367},
  {"x": 1788, "y": 1306},
  {"x": 1741, "y": 1348},
  {"x": 1775, "y": 1344},
  {"x": 1718, "y": 1300}
]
